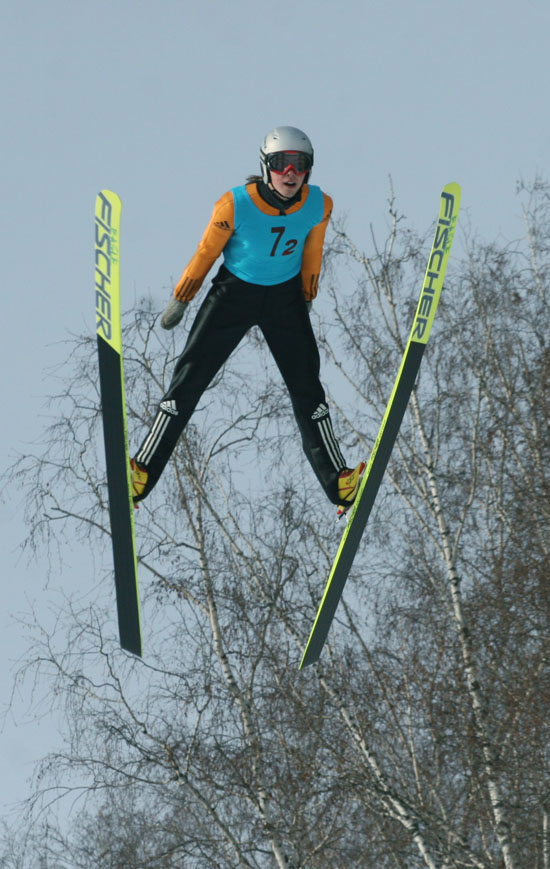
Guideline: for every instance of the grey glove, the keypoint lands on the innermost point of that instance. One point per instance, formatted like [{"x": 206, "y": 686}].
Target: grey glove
[
  {"x": 173, "y": 313},
  {"x": 309, "y": 306}
]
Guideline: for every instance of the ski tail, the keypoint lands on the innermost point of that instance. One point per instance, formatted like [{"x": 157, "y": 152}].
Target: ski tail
[
  {"x": 111, "y": 376},
  {"x": 391, "y": 421}
]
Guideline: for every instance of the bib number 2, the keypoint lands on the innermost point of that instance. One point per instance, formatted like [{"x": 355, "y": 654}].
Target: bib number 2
[{"x": 288, "y": 245}]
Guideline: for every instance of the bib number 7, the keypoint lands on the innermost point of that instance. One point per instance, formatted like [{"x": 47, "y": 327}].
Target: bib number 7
[{"x": 288, "y": 245}]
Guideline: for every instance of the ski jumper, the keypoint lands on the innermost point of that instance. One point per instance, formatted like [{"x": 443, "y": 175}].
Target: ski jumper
[{"x": 272, "y": 262}]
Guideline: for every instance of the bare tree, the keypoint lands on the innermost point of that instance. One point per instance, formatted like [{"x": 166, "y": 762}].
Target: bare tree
[
  {"x": 420, "y": 738},
  {"x": 471, "y": 470}
]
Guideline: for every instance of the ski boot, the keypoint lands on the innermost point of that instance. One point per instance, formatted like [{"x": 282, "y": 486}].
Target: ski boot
[
  {"x": 348, "y": 486},
  {"x": 139, "y": 481}
]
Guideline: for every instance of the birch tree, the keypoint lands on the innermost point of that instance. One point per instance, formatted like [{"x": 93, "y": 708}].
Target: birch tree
[{"x": 419, "y": 740}]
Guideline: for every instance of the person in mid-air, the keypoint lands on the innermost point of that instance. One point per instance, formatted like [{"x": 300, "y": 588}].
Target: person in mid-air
[{"x": 271, "y": 233}]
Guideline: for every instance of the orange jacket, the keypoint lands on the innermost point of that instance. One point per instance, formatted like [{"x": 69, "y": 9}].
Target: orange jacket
[{"x": 220, "y": 228}]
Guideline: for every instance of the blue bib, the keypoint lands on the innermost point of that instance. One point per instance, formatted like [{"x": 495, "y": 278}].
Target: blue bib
[{"x": 267, "y": 249}]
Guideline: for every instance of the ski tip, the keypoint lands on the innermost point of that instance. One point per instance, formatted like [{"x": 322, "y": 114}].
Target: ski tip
[
  {"x": 453, "y": 189},
  {"x": 109, "y": 195},
  {"x": 133, "y": 645},
  {"x": 311, "y": 654},
  {"x": 307, "y": 662}
]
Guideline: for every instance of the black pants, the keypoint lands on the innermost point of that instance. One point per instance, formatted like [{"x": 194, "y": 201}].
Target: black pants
[{"x": 230, "y": 309}]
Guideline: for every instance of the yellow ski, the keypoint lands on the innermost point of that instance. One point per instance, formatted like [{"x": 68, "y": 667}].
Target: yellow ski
[
  {"x": 113, "y": 404},
  {"x": 391, "y": 422}
]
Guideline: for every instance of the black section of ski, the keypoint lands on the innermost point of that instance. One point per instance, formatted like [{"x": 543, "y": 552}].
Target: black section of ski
[
  {"x": 360, "y": 518},
  {"x": 110, "y": 376}
]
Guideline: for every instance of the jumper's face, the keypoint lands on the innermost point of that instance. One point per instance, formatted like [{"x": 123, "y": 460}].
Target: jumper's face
[
  {"x": 288, "y": 183},
  {"x": 287, "y": 170}
]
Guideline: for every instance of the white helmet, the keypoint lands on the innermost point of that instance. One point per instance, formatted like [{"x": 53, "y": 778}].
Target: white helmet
[{"x": 286, "y": 139}]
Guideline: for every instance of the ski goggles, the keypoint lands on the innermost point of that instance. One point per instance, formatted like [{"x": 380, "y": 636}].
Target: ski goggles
[{"x": 282, "y": 162}]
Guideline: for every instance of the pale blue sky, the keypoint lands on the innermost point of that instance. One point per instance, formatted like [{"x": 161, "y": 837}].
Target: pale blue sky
[{"x": 165, "y": 102}]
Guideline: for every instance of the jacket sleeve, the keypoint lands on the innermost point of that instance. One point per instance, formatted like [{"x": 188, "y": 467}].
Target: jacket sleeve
[
  {"x": 313, "y": 253},
  {"x": 216, "y": 235}
]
